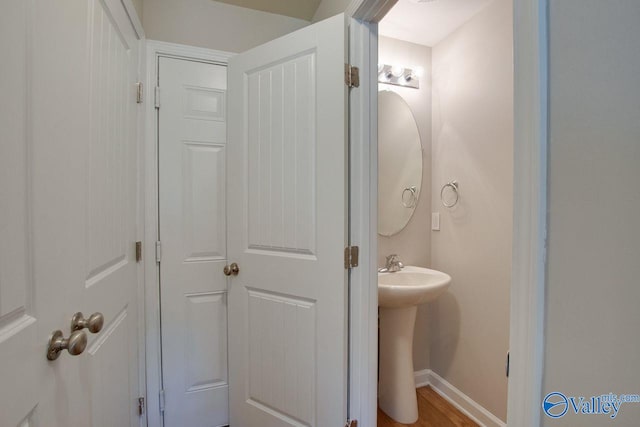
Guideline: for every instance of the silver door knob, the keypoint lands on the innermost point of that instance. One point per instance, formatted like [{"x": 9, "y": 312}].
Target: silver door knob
[
  {"x": 94, "y": 323},
  {"x": 231, "y": 270},
  {"x": 75, "y": 344}
]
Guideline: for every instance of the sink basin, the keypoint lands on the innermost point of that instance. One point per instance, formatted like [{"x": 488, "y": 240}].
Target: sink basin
[
  {"x": 411, "y": 286},
  {"x": 399, "y": 295}
]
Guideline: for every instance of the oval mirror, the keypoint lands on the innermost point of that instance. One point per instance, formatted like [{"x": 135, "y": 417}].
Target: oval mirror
[{"x": 399, "y": 163}]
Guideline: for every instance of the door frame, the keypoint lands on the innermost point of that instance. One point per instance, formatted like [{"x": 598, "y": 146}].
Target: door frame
[
  {"x": 154, "y": 51},
  {"x": 530, "y": 210},
  {"x": 140, "y": 206}
]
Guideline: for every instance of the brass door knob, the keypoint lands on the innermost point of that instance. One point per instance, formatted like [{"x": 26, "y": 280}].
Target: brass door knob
[
  {"x": 231, "y": 270},
  {"x": 75, "y": 344},
  {"x": 94, "y": 323}
]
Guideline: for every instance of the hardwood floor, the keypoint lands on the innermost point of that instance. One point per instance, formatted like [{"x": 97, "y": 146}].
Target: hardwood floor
[{"x": 434, "y": 411}]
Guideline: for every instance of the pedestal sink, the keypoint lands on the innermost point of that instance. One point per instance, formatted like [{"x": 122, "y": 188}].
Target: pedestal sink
[{"x": 399, "y": 295}]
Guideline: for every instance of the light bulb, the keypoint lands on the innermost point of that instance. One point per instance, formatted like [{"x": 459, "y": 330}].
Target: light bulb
[{"x": 397, "y": 71}]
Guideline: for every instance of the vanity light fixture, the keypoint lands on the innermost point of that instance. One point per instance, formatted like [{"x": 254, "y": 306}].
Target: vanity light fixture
[{"x": 399, "y": 76}]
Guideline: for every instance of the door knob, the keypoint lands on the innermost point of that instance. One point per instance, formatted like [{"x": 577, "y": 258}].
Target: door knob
[
  {"x": 231, "y": 270},
  {"x": 75, "y": 344},
  {"x": 94, "y": 323}
]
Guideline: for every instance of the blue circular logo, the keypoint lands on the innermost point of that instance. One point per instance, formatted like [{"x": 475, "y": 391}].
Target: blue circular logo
[{"x": 555, "y": 404}]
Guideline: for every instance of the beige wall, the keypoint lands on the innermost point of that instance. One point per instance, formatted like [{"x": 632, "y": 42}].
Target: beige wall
[
  {"x": 473, "y": 144},
  {"x": 213, "y": 25},
  {"x": 329, "y": 8},
  {"x": 593, "y": 282},
  {"x": 301, "y": 9},
  {"x": 413, "y": 242}
]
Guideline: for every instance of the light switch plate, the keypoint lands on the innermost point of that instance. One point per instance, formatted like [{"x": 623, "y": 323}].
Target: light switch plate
[{"x": 435, "y": 221}]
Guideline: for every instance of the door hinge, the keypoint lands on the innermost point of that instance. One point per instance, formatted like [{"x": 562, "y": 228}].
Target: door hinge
[
  {"x": 351, "y": 76},
  {"x": 141, "y": 406},
  {"x": 351, "y": 256},
  {"x": 158, "y": 251},
  {"x": 156, "y": 97},
  {"x": 139, "y": 92},
  {"x": 351, "y": 423},
  {"x": 138, "y": 251},
  {"x": 161, "y": 400}
]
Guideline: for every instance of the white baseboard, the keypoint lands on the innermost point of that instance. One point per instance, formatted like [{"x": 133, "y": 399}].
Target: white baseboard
[
  {"x": 423, "y": 378},
  {"x": 457, "y": 398}
]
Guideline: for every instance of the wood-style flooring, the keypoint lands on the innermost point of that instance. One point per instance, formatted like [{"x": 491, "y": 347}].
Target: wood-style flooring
[{"x": 434, "y": 411}]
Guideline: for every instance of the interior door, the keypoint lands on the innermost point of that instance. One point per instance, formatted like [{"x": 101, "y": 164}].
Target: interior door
[
  {"x": 192, "y": 137},
  {"x": 68, "y": 186},
  {"x": 287, "y": 213}
]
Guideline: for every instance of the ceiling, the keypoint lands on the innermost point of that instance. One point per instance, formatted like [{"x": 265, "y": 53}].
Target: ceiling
[
  {"x": 428, "y": 23},
  {"x": 301, "y": 9}
]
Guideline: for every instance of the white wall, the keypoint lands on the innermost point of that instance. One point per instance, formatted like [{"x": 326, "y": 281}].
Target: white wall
[
  {"x": 213, "y": 25},
  {"x": 593, "y": 284},
  {"x": 413, "y": 243},
  {"x": 473, "y": 144}
]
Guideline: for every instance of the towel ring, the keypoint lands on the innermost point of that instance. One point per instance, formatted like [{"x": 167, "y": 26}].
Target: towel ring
[
  {"x": 413, "y": 197},
  {"x": 454, "y": 187}
]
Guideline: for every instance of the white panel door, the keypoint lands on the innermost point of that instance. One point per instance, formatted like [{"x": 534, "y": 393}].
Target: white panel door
[
  {"x": 68, "y": 213},
  {"x": 192, "y": 140},
  {"x": 20, "y": 348},
  {"x": 287, "y": 213}
]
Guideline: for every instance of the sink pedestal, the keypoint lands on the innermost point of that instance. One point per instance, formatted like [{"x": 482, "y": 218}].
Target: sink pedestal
[
  {"x": 399, "y": 295},
  {"x": 397, "y": 387}
]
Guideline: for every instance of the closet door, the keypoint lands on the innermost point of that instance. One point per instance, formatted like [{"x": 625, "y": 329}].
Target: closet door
[
  {"x": 192, "y": 139},
  {"x": 68, "y": 187}
]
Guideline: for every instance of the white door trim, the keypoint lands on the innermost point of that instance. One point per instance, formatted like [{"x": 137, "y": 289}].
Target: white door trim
[
  {"x": 530, "y": 217},
  {"x": 530, "y": 212},
  {"x": 155, "y": 50},
  {"x": 363, "y": 305},
  {"x": 133, "y": 16},
  {"x": 369, "y": 10}
]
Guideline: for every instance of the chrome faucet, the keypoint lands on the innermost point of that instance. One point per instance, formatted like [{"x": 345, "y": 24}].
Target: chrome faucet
[{"x": 393, "y": 264}]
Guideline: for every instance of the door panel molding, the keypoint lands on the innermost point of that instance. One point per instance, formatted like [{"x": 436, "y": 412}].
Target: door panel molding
[{"x": 283, "y": 94}]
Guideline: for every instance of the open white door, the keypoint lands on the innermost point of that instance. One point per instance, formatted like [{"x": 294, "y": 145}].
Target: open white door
[
  {"x": 287, "y": 216},
  {"x": 68, "y": 211}
]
